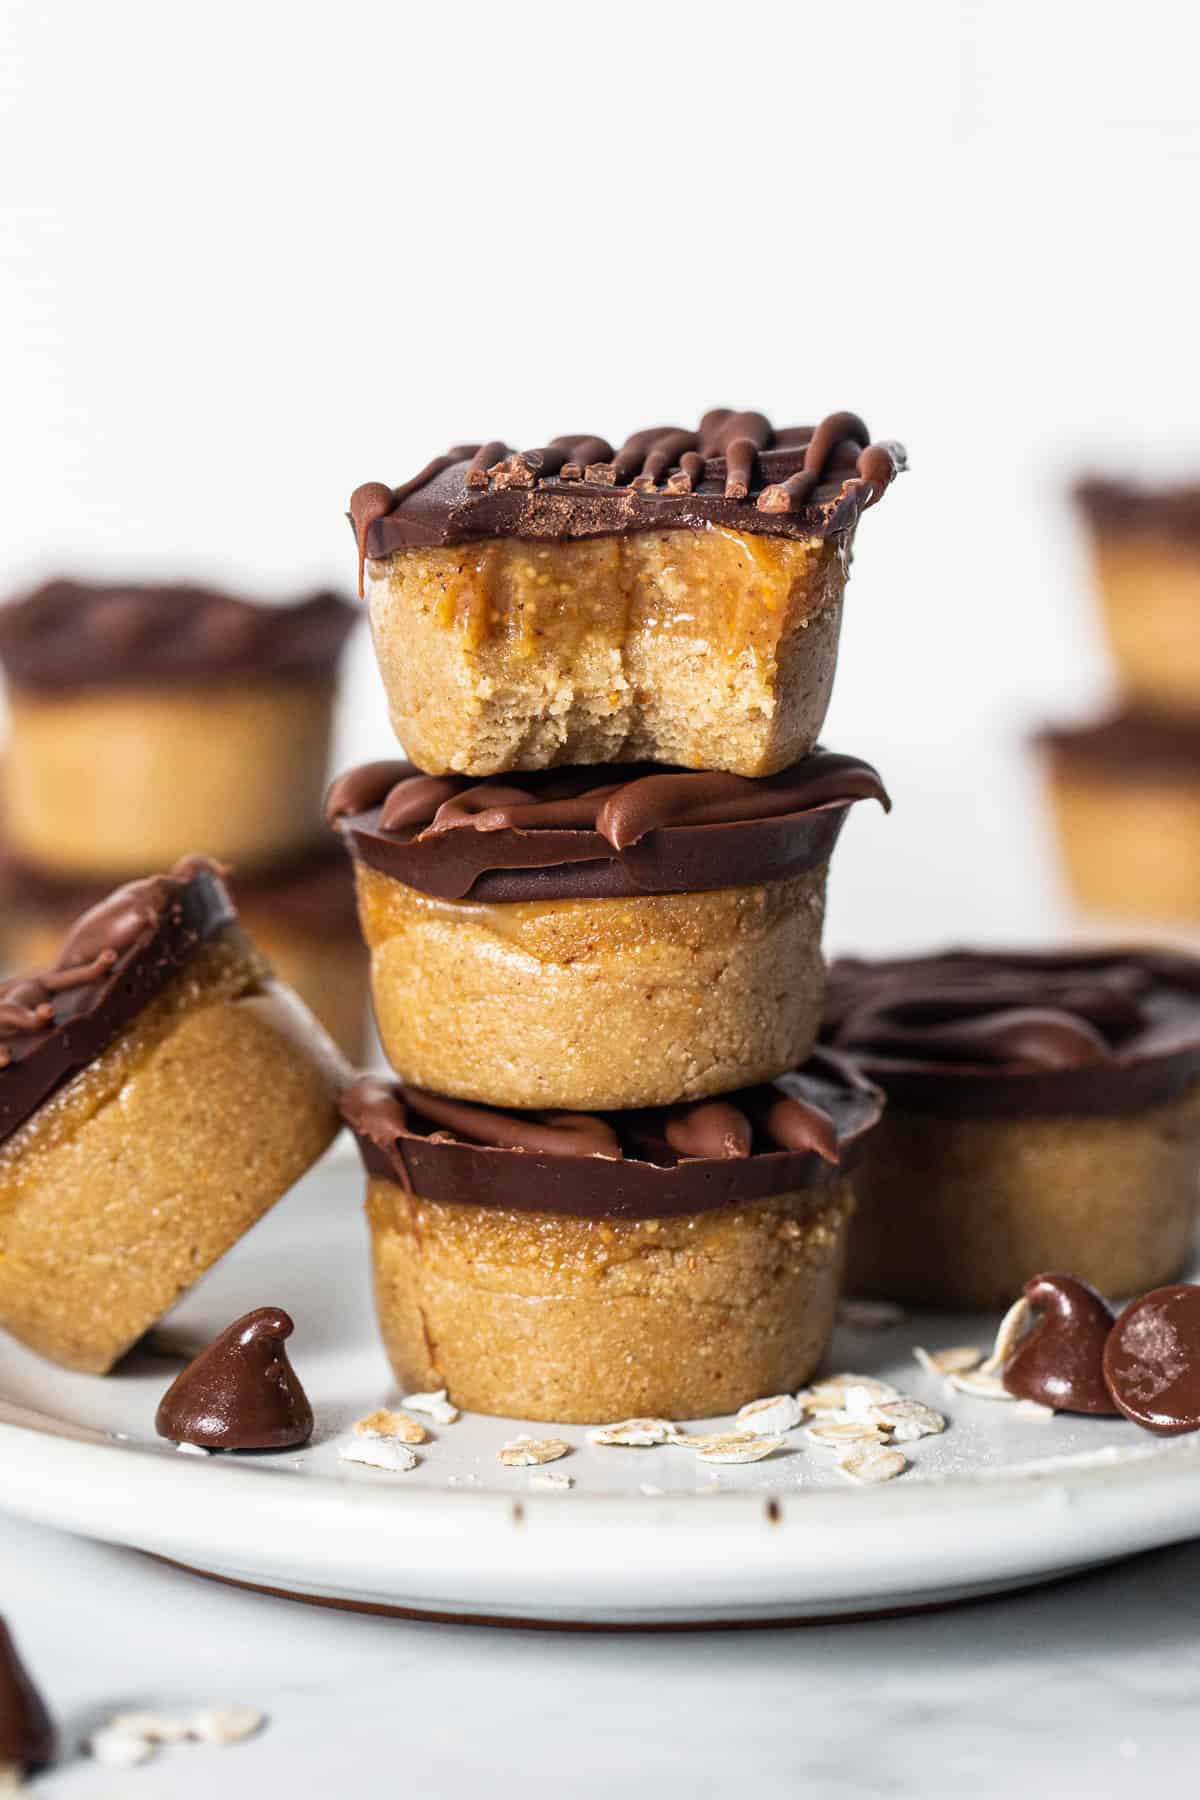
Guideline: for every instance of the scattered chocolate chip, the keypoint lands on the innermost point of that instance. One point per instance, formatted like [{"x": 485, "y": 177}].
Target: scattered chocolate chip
[
  {"x": 1152, "y": 1360},
  {"x": 26, "y": 1733},
  {"x": 1060, "y": 1360},
  {"x": 241, "y": 1393}
]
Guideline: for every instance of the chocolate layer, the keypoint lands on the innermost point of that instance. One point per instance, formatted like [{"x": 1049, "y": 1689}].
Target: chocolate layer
[
  {"x": 735, "y": 469},
  {"x": 602, "y": 832},
  {"x": 799, "y": 1132},
  {"x": 312, "y": 892},
  {"x": 1129, "y": 746},
  {"x": 997, "y": 1035},
  {"x": 1131, "y": 508},
  {"x": 75, "y": 634},
  {"x": 117, "y": 958}
]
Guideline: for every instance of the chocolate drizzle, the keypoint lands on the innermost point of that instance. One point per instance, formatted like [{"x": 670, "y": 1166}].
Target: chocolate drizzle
[
  {"x": 597, "y": 832},
  {"x": 974, "y": 1034},
  {"x": 117, "y": 958},
  {"x": 241, "y": 1393},
  {"x": 73, "y": 634},
  {"x": 800, "y": 1132},
  {"x": 735, "y": 470}
]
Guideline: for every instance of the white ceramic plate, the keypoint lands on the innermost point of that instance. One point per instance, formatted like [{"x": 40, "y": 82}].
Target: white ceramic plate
[{"x": 1000, "y": 1499}]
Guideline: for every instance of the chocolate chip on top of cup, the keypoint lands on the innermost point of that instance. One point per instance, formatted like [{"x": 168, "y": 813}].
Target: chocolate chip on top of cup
[{"x": 1044, "y": 1112}]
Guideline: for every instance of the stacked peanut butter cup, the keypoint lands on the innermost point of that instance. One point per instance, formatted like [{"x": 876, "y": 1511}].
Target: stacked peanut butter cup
[
  {"x": 1125, "y": 787},
  {"x": 611, "y": 1177},
  {"x": 148, "y": 720}
]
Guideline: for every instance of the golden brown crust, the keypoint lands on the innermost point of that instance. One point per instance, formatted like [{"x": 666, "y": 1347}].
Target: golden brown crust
[
  {"x": 588, "y": 1321},
  {"x": 1130, "y": 846},
  {"x": 99, "y": 782},
  {"x": 591, "y": 1004},
  {"x": 959, "y": 1213}
]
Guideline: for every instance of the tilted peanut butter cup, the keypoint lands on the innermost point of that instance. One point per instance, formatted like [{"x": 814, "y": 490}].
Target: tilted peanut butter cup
[{"x": 159, "y": 1090}]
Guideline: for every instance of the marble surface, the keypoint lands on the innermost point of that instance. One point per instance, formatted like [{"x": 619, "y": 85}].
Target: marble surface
[{"x": 1090, "y": 1687}]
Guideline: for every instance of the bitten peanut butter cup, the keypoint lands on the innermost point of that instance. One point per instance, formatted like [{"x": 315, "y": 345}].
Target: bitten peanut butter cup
[
  {"x": 590, "y": 937},
  {"x": 676, "y": 600},
  {"x": 158, "y": 1092},
  {"x": 1146, "y": 554},
  {"x": 144, "y": 720},
  {"x": 588, "y": 1267},
  {"x": 1043, "y": 1112}
]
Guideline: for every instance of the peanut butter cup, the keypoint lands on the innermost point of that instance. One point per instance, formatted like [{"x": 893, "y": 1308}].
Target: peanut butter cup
[
  {"x": 1146, "y": 551},
  {"x": 676, "y": 600},
  {"x": 1125, "y": 793},
  {"x": 158, "y": 1092},
  {"x": 591, "y": 1267},
  {"x": 144, "y": 720},
  {"x": 1043, "y": 1112},
  {"x": 613, "y": 937}
]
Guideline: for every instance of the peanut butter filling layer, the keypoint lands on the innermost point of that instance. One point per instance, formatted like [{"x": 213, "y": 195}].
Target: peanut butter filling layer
[
  {"x": 708, "y": 649},
  {"x": 592, "y": 1320},
  {"x": 595, "y": 1003}
]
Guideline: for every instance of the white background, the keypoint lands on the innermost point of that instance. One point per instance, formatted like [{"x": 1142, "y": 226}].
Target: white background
[{"x": 254, "y": 254}]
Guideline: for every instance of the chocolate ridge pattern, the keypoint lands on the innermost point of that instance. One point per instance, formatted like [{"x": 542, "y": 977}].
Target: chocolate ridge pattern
[
  {"x": 972, "y": 1034},
  {"x": 117, "y": 958},
  {"x": 598, "y": 832},
  {"x": 74, "y": 634},
  {"x": 800, "y": 1132},
  {"x": 736, "y": 469}
]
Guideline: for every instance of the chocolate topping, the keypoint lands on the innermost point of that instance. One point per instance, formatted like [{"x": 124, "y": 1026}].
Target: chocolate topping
[
  {"x": 736, "y": 470},
  {"x": 1060, "y": 1360},
  {"x": 1132, "y": 745},
  {"x": 72, "y": 634},
  {"x": 998, "y": 1035},
  {"x": 26, "y": 1733},
  {"x": 1129, "y": 507},
  {"x": 118, "y": 956},
  {"x": 596, "y": 833},
  {"x": 799, "y": 1132},
  {"x": 1152, "y": 1360},
  {"x": 241, "y": 1393}
]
